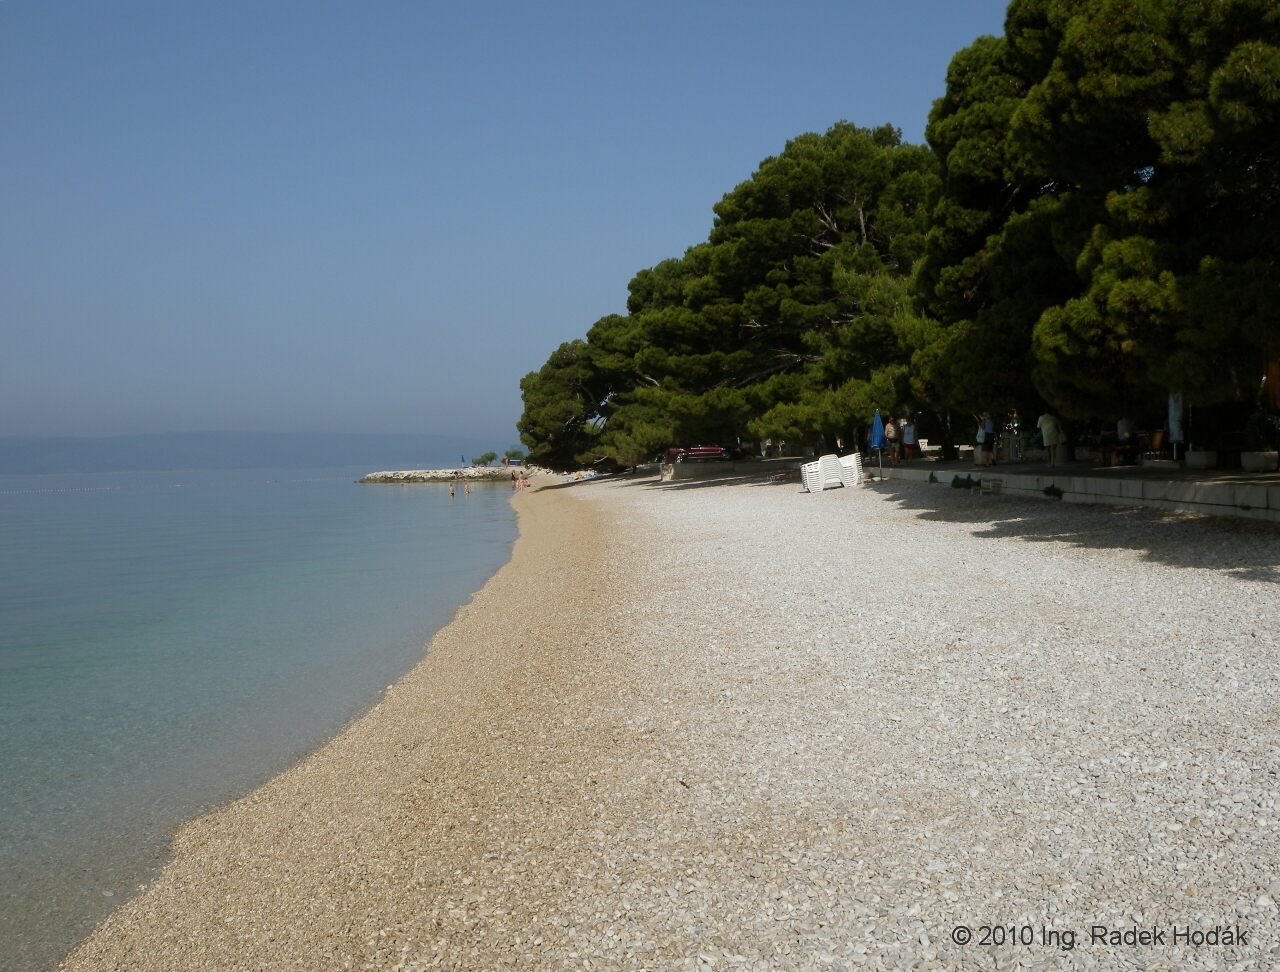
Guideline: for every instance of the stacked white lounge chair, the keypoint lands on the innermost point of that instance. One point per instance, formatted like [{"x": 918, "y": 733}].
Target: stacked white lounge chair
[
  {"x": 831, "y": 471},
  {"x": 853, "y": 468}
]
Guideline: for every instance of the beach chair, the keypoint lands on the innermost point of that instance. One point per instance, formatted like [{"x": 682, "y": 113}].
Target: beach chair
[
  {"x": 833, "y": 472},
  {"x": 852, "y": 468},
  {"x": 826, "y": 473},
  {"x": 1151, "y": 446},
  {"x": 810, "y": 478}
]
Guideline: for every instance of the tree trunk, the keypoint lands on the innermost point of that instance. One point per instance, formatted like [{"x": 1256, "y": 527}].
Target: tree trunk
[{"x": 948, "y": 441}]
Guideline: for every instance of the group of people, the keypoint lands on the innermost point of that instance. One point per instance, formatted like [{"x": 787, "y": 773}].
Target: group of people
[
  {"x": 900, "y": 438},
  {"x": 1048, "y": 431},
  {"x": 519, "y": 480},
  {"x": 901, "y": 443}
]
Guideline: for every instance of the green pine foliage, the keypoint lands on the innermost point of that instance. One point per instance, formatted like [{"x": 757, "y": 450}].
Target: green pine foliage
[
  {"x": 1108, "y": 223},
  {"x": 562, "y": 402},
  {"x": 1092, "y": 224},
  {"x": 794, "y": 319}
]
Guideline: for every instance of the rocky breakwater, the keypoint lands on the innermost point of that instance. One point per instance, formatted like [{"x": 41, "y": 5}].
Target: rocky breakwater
[{"x": 467, "y": 473}]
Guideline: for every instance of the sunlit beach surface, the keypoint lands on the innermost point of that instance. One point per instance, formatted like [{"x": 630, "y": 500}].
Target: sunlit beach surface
[{"x": 700, "y": 724}]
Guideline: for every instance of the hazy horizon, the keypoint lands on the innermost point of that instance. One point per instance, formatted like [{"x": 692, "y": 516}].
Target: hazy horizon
[
  {"x": 367, "y": 219},
  {"x": 264, "y": 432},
  {"x": 190, "y": 451}
]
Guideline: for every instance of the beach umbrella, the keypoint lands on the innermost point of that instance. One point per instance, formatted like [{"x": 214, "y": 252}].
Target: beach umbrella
[{"x": 877, "y": 439}]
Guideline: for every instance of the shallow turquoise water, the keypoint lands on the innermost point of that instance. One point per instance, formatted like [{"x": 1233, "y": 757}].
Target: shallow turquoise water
[{"x": 169, "y": 640}]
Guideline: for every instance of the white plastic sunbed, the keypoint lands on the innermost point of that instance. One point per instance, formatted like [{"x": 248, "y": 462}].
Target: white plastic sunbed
[
  {"x": 810, "y": 477},
  {"x": 852, "y": 466},
  {"x": 827, "y": 473}
]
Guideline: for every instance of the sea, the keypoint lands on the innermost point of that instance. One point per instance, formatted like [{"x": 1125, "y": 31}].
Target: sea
[{"x": 169, "y": 640}]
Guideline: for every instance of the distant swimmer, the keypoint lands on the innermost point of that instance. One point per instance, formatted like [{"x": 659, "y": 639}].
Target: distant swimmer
[{"x": 451, "y": 488}]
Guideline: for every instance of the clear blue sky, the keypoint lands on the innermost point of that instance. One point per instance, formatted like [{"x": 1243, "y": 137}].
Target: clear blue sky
[{"x": 376, "y": 217}]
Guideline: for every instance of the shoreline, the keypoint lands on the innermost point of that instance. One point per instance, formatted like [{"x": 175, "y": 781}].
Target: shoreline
[
  {"x": 424, "y": 736},
  {"x": 246, "y": 622}
]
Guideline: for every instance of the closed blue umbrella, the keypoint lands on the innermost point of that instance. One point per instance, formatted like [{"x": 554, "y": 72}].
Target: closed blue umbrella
[{"x": 877, "y": 439}]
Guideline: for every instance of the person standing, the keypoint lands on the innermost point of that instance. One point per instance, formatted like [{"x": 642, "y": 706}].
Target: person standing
[
  {"x": 908, "y": 431},
  {"x": 986, "y": 438},
  {"x": 1051, "y": 434},
  {"x": 891, "y": 437}
]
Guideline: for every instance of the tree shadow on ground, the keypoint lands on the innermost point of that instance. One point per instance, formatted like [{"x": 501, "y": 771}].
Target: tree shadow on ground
[
  {"x": 574, "y": 482},
  {"x": 650, "y": 481},
  {"x": 1246, "y": 549},
  {"x": 753, "y": 479}
]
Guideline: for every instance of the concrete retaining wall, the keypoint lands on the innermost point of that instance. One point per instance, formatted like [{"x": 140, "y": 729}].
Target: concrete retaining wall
[{"x": 1255, "y": 501}]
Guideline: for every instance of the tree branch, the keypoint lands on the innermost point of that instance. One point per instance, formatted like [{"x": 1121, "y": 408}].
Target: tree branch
[{"x": 787, "y": 359}]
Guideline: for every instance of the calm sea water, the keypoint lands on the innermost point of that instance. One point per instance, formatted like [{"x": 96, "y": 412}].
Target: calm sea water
[{"x": 169, "y": 640}]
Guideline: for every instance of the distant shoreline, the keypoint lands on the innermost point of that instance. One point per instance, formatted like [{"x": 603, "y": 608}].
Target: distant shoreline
[{"x": 483, "y": 473}]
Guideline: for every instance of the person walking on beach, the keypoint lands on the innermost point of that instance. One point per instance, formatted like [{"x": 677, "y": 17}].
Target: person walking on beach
[{"x": 1051, "y": 433}]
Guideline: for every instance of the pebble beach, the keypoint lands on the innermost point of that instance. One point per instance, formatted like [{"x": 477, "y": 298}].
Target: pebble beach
[{"x": 709, "y": 725}]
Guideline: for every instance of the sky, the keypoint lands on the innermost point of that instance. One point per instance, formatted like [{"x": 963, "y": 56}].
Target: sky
[{"x": 377, "y": 217}]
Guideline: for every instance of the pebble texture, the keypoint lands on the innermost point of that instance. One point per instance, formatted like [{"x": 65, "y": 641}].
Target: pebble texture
[{"x": 695, "y": 725}]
